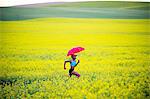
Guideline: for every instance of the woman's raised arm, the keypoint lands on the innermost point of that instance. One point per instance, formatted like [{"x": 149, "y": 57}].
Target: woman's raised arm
[{"x": 65, "y": 63}]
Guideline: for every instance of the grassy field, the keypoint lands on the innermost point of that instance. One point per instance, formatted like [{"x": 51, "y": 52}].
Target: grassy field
[
  {"x": 115, "y": 10},
  {"x": 104, "y": 4},
  {"x": 115, "y": 63}
]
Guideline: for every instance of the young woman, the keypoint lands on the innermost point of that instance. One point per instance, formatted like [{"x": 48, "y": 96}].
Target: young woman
[{"x": 73, "y": 63}]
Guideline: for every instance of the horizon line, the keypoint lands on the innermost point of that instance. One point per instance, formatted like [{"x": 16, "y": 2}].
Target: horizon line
[{"x": 11, "y": 4}]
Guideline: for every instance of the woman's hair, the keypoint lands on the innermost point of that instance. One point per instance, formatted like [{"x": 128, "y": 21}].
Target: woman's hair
[{"x": 73, "y": 55}]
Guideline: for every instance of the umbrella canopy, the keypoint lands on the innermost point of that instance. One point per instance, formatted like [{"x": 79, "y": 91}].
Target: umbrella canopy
[{"x": 75, "y": 50}]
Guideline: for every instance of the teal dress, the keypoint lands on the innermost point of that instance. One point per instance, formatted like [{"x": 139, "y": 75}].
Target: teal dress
[{"x": 72, "y": 64}]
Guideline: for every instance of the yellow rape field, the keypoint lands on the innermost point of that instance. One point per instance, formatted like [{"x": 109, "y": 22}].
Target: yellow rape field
[{"x": 115, "y": 63}]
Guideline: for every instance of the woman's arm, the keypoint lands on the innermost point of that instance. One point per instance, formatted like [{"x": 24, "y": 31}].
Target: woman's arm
[
  {"x": 65, "y": 64},
  {"x": 77, "y": 62}
]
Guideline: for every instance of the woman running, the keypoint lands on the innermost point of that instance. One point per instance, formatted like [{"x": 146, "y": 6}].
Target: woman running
[{"x": 73, "y": 63}]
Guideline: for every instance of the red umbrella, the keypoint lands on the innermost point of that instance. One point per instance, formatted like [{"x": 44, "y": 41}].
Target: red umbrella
[{"x": 75, "y": 50}]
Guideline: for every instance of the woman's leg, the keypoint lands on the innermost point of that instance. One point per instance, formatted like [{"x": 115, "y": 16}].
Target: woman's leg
[
  {"x": 70, "y": 72},
  {"x": 75, "y": 73}
]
